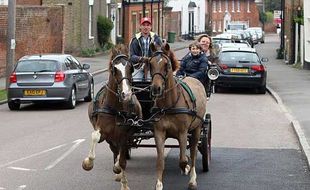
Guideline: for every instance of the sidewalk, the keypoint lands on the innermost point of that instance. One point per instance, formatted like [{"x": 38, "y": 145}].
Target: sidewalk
[
  {"x": 291, "y": 89},
  {"x": 289, "y": 86}
]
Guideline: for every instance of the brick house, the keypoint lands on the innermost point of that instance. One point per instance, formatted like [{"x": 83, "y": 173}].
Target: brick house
[
  {"x": 80, "y": 22},
  {"x": 39, "y": 29},
  {"x": 132, "y": 13},
  {"x": 222, "y": 12}
]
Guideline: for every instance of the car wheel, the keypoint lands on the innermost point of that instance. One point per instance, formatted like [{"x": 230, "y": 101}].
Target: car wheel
[
  {"x": 70, "y": 104},
  {"x": 91, "y": 92},
  {"x": 13, "y": 105}
]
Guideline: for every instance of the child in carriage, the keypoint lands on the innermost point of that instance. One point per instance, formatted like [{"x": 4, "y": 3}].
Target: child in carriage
[{"x": 194, "y": 64}]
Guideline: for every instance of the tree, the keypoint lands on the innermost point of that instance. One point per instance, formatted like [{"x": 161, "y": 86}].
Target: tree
[
  {"x": 104, "y": 28},
  {"x": 271, "y": 5}
]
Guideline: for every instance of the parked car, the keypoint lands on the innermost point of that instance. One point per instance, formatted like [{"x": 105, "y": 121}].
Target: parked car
[
  {"x": 241, "y": 67},
  {"x": 260, "y": 33},
  {"x": 49, "y": 78}
]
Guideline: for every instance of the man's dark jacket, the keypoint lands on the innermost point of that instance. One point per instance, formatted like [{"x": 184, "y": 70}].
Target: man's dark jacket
[{"x": 136, "y": 46}]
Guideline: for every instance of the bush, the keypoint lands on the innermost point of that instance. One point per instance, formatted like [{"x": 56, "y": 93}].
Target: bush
[
  {"x": 88, "y": 52},
  {"x": 269, "y": 17},
  {"x": 104, "y": 28}
]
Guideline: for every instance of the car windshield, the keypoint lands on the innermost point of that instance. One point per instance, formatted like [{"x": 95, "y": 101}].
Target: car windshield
[
  {"x": 239, "y": 57},
  {"x": 37, "y": 66}
]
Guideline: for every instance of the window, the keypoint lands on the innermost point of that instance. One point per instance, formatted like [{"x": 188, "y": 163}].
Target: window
[
  {"x": 226, "y": 6},
  {"x": 233, "y": 6},
  {"x": 3, "y": 2},
  {"x": 155, "y": 21},
  {"x": 220, "y": 5},
  {"x": 238, "y": 5},
  {"x": 214, "y": 6},
  {"x": 214, "y": 26},
  {"x": 76, "y": 62},
  {"x": 248, "y": 9},
  {"x": 220, "y": 26},
  {"x": 71, "y": 64},
  {"x": 90, "y": 19},
  {"x": 134, "y": 23}
]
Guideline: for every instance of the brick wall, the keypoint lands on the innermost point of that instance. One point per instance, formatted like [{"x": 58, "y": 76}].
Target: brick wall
[
  {"x": 38, "y": 30},
  {"x": 172, "y": 17},
  {"x": 77, "y": 23},
  {"x": 28, "y": 2},
  {"x": 132, "y": 25}
]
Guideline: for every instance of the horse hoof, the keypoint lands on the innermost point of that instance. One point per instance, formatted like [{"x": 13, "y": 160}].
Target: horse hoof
[
  {"x": 187, "y": 169},
  {"x": 117, "y": 170},
  {"x": 192, "y": 186},
  {"x": 118, "y": 177},
  {"x": 87, "y": 164}
]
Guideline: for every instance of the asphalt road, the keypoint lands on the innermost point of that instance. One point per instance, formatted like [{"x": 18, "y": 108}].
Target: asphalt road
[{"x": 253, "y": 147}]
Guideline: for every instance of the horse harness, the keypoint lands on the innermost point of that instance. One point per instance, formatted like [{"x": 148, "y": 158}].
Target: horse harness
[{"x": 128, "y": 118}]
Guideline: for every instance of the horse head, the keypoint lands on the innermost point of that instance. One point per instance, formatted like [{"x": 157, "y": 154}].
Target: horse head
[
  {"x": 121, "y": 70},
  {"x": 162, "y": 65}
]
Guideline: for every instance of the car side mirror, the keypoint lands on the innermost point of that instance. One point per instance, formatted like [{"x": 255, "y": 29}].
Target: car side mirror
[
  {"x": 86, "y": 66},
  {"x": 264, "y": 59}
]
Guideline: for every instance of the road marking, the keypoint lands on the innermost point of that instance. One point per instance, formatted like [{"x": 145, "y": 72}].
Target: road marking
[
  {"x": 33, "y": 155},
  {"x": 21, "y": 187},
  {"x": 21, "y": 169},
  {"x": 76, "y": 144}
]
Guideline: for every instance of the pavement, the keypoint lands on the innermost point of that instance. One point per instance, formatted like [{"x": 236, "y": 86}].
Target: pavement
[{"x": 289, "y": 86}]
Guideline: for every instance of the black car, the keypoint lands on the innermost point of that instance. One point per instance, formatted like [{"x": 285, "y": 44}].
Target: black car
[
  {"x": 241, "y": 67},
  {"x": 50, "y": 78}
]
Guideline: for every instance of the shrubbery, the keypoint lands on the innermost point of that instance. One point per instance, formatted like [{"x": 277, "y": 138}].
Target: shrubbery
[{"x": 104, "y": 28}]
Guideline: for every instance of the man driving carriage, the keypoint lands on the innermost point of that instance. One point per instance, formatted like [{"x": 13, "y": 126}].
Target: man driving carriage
[{"x": 140, "y": 49}]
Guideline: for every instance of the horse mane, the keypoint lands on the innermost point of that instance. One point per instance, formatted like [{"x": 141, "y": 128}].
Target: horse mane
[
  {"x": 118, "y": 49},
  {"x": 173, "y": 58}
]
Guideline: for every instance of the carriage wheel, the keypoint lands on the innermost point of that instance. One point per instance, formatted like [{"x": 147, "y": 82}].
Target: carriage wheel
[{"x": 206, "y": 145}]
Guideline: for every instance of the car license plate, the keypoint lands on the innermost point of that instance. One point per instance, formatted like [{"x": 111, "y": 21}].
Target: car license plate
[
  {"x": 34, "y": 92},
  {"x": 238, "y": 70}
]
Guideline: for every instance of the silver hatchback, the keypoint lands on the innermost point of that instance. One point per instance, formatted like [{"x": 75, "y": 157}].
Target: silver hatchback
[{"x": 49, "y": 77}]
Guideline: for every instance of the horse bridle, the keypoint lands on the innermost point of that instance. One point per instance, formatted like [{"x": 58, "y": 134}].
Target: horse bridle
[
  {"x": 118, "y": 82},
  {"x": 163, "y": 76}
]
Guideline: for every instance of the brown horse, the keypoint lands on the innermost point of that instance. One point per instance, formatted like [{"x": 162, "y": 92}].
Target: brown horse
[
  {"x": 112, "y": 113},
  {"x": 178, "y": 113}
]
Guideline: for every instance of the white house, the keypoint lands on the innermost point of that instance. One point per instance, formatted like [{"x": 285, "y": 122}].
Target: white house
[{"x": 192, "y": 15}]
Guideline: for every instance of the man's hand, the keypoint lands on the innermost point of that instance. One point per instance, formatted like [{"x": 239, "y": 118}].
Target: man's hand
[{"x": 144, "y": 60}]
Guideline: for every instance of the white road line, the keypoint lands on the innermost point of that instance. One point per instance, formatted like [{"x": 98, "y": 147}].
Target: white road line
[
  {"x": 33, "y": 155},
  {"x": 77, "y": 143},
  {"x": 21, "y": 187},
  {"x": 21, "y": 169}
]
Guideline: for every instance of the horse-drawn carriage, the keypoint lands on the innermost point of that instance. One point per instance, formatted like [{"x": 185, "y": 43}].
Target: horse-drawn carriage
[{"x": 127, "y": 111}]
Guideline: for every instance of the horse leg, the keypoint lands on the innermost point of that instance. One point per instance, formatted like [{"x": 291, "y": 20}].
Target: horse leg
[
  {"x": 88, "y": 162},
  {"x": 183, "y": 163},
  {"x": 192, "y": 184},
  {"x": 160, "y": 137},
  {"x": 122, "y": 163}
]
